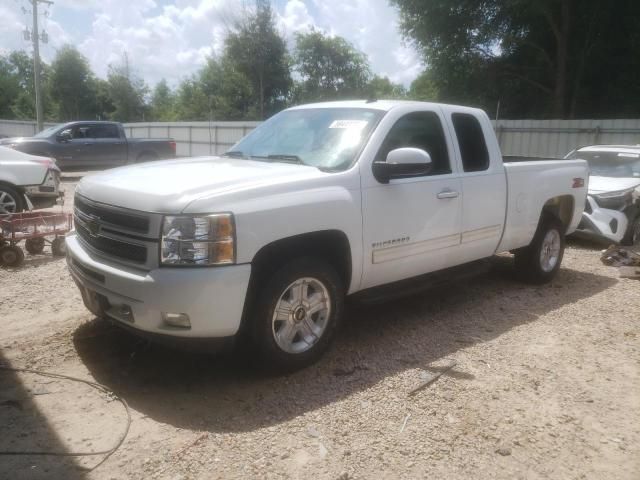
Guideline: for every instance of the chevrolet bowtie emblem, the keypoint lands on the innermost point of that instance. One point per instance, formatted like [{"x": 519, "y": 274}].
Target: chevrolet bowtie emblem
[{"x": 93, "y": 225}]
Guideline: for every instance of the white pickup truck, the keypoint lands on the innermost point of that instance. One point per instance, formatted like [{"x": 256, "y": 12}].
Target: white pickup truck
[{"x": 319, "y": 202}]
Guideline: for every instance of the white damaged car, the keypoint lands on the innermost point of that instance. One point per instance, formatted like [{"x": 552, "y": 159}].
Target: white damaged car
[
  {"x": 612, "y": 210},
  {"x": 27, "y": 181}
]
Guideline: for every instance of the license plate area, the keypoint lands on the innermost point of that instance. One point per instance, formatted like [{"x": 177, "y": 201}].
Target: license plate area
[{"x": 96, "y": 303}]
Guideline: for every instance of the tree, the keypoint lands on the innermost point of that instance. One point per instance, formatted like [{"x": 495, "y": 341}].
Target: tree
[
  {"x": 383, "y": 88},
  {"x": 10, "y": 87},
  {"x": 127, "y": 92},
  {"x": 255, "y": 49},
  {"x": 162, "y": 103},
  {"x": 330, "y": 67},
  {"x": 542, "y": 58},
  {"x": 103, "y": 103},
  {"x": 423, "y": 88},
  {"x": 72, "y": 85}
]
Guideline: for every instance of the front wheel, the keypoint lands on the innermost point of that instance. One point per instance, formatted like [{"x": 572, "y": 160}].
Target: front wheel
[
  {"x": 540, "y": 261},
  {"x": 11, "y": 256},
  {"x": 10, "y": 200},
  {"x": 632, "y": 236},
  {"x": 297, "y": 313}
]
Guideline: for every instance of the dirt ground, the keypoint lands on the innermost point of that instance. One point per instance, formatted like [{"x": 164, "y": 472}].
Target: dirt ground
[{"x": 546, "y": 385}]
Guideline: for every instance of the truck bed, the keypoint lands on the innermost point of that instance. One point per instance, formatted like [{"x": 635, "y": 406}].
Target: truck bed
[{"x": 529, "y": 181}]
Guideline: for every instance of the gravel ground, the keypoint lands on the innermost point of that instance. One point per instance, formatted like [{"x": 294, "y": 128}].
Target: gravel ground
[{"x": 546, "y": 385}]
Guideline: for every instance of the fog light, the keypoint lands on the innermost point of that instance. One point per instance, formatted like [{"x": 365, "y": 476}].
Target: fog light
[
  {"x": 178, "y": 320},
  {"x": 121, "y": 312}
]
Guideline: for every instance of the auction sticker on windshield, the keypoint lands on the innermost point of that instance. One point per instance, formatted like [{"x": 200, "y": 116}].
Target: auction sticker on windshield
[{"x": 353, "y": 124}]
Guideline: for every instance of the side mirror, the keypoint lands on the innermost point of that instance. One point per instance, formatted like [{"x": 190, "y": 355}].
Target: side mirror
[
  {"x": 64, "y": 136},
  {"x": 403, "y": 163}
]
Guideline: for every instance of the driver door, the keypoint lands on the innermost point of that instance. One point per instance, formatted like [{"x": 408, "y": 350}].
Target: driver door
[
  {"x": 412, "y": 226},
  {"x": 72, "y": 146}
]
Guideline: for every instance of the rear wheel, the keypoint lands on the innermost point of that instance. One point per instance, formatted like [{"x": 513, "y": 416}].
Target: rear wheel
[
  {"x": 296, "y": 314},
  {"x": 540, "y": 261},
  {"x": 10, "y": 200},
  {"x": 146, "y": 157},
  {"x": 34, "y": 245},
  {"x": 11, "y": 256}
]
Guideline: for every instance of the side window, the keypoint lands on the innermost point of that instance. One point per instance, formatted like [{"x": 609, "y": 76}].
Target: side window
[
  {"x": 80, "y": 131},
  {"x": 473, "y": 148},
  {"x": 108, "y": 131},
  {"x": 103, "y": 131},
  {"x": 419, "y": 130}
]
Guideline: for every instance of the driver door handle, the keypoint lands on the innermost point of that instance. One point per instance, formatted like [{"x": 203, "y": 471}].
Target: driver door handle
[{"x": 447, "y": 194}]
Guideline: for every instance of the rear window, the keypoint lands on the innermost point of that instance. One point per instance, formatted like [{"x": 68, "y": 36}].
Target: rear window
[
  {"x": 473, "y": 148},
  {"x": 104, "y": 131}
]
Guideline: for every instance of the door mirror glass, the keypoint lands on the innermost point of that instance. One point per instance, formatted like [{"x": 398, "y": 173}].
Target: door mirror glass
[
  {"x": 64, "y": 136},
  {"x": 403, "y": 163}
]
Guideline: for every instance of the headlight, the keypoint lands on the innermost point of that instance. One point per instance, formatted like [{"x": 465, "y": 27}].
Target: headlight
[
  {"x": 201, "y": 240},
  {"x": 618, "y": 200},
  {"x": 616, "y": 194}
]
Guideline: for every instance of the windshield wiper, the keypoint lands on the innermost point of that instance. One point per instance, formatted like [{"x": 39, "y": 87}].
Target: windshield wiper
[
  {"x": 234, "y": 154},
  {"x": 286, "y": 158}
]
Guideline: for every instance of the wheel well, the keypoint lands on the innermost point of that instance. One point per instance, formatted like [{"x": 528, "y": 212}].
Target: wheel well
[
  {"x": 11, "y": 185},
  {"x": 146, "y": 153},
  {"x": 330, "y": 245},
  {"x": 560, "y": 207}
]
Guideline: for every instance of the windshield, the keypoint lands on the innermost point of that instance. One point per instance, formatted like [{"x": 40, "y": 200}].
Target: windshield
[
  {"x": 47, "y": 132},
  {"x": 327, "y": 138},
  {"x": 611, "y": 164}
]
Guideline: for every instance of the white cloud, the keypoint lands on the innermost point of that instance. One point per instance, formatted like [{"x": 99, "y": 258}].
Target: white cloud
[
  {"x": 173, "y": 41},
  {"x": 372, "y": 26}
]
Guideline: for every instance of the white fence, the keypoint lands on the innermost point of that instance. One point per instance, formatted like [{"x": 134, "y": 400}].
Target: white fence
[
  {"x": 555, "y": 138},
  {"x": 540, "y": 138},
  {"x": 194, "y": 138}
]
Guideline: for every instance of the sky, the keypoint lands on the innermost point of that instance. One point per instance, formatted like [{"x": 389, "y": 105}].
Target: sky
[{"x": 172, "y": 39}]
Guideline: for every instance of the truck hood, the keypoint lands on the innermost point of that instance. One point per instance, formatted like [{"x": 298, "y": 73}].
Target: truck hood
[
  {"x": 611, "y": 184},
  {"x": 12, "y": 140},
  {"x": 170, "y": 186}
]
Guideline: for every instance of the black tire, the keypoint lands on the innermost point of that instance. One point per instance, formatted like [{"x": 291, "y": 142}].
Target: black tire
[
  {"x": 11, "y": 256},
  {"x": 318, "y": 275},
  {"x": 146, "y": 157},
  {"x": 529, "y": 263},
  {"x": 632, "y": 236},
  {"x": 34, "y": 245},
  {"x": 59, "y": 247},
  {"x": 11, "y": 201}
]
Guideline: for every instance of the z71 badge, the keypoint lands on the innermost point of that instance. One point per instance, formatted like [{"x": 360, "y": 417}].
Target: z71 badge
[{"x": 390, "y": 243}]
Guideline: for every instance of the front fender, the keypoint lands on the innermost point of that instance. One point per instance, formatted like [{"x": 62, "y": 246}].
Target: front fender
[
  {"x": 264, "y": 219},
  {"x": 20, "y": 173}
]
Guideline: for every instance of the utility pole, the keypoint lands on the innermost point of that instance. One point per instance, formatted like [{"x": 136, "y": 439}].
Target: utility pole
[{"x": 35, "y": 36}]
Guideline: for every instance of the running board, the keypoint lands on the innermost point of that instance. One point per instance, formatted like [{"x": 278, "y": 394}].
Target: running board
[{"x": 422, "y": 283}]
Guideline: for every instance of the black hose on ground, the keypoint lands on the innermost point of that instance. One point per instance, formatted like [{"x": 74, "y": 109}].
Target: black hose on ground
[{"x": 95, "y": 385}]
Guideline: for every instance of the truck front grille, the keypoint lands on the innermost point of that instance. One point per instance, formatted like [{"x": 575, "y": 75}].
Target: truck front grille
[
  {"x": 111, "y": 246},
  {"x": 121, "y": 234},
  {"x": 129, "y": 221}
]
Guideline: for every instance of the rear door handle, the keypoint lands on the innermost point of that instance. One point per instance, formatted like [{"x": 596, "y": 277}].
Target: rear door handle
[
  {"x": 447, "y": 194},
  {"x": 87, "y": 143}
]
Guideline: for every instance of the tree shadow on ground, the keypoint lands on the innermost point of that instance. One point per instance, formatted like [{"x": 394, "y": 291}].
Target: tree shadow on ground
[
  {"x": 24, "y": 427},
  {"x": 223, "y": 394}
]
